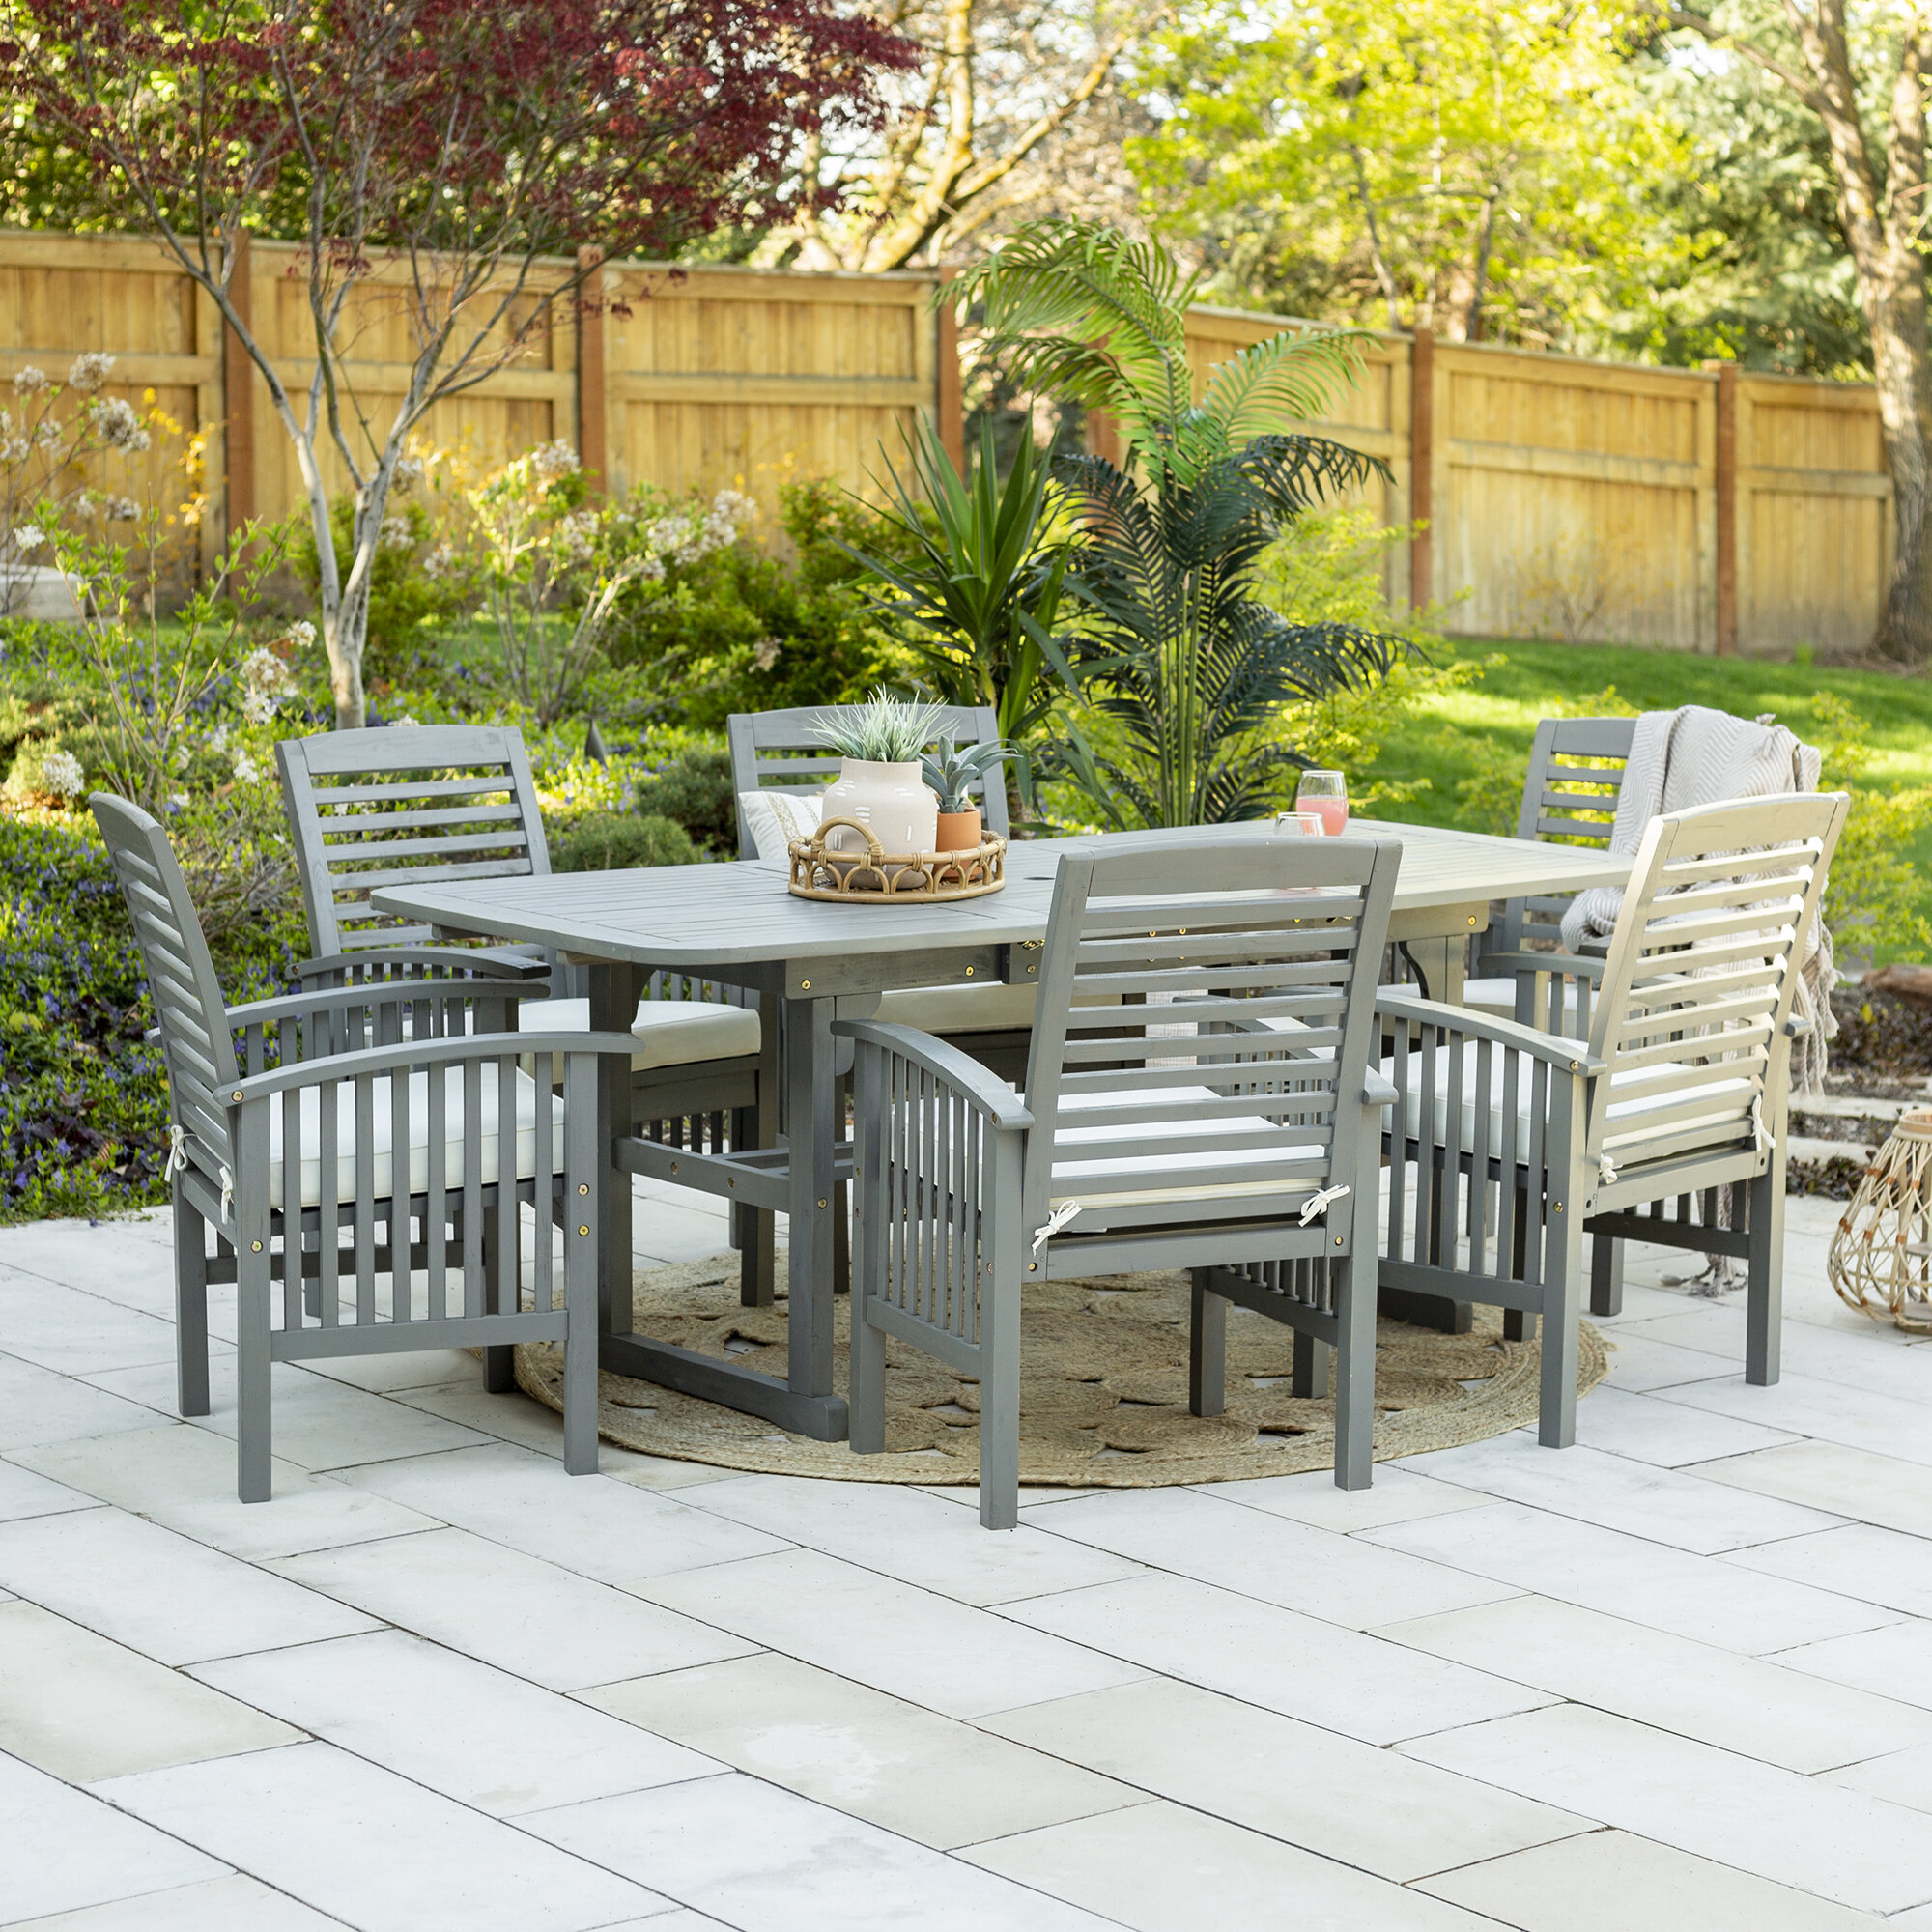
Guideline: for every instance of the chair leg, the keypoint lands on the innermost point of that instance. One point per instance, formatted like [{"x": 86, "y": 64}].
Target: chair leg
[
  {"x": 1764, "y": 1294},
  {"x": 1606, "y": 1275},
  {"x": 254, "y": 1441},
  {"x": 1313, "y": 1368},
  {"x": 500, "y": 1368},
  {"x": 1519, "y": 1325},
  {"x": 582, "y": 1284},
  {"x": 1354, "y": 1370},
  {"x": 1562, "y": 1286},
  {"x": 1000, "y": 1397},
  {"x": 191, "y": 1305},
  {"x": 1207, "y": 1349}
]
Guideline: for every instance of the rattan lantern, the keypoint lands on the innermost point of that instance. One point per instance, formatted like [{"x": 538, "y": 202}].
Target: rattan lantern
[{"x": 1881, "y": 1260}]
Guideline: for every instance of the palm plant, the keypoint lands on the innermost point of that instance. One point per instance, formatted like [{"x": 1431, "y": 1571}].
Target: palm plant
[
  {"x": 1177, "y": 649},
  {"x": 978, "y": 598}
]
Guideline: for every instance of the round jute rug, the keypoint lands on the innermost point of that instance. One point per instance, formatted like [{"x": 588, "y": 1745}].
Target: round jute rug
[{"x": 1103, "y": 1390}]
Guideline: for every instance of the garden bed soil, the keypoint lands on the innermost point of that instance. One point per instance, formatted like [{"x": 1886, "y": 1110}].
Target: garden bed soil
[{"x": 1880, "y": 1063}]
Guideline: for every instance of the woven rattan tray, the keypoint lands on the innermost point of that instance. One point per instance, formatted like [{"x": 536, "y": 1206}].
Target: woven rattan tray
[{"x": 865, "y": 878}]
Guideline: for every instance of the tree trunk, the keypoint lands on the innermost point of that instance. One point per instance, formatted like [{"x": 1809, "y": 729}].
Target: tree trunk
[
  {"x": 1903, "y": 378},
  {"x": 1880, "y": 209}
]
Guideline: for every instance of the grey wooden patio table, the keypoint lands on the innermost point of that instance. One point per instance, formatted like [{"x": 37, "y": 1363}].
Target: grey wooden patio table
[{"x": 736, "y": 924}]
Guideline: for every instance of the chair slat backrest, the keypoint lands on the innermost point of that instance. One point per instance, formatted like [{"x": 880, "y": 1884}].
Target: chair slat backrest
[
  {"x": 415, "y": 803},
  {"x": 1570, "y": 794},
  {"x": 779, "y": 749},
  {"x": 1700, "y": 977},
  {"x": 1247, "y": 968},
  {"x": 188, "y": 1007}
]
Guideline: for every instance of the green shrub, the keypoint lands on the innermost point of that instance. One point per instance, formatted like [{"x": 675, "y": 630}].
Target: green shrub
[
  {"x": 83, "y": 1100},
  {"x": 693, "y": 790},
  {"x": 610, "y": 841},
  {"x": 740, "y": 629}
]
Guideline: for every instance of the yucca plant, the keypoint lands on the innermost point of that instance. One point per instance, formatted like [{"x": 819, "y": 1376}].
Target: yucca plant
[
  {"x": 1177, "y": 649},
  {"x": 979, "y": 595},
  {"x": 884, "y": 731}
]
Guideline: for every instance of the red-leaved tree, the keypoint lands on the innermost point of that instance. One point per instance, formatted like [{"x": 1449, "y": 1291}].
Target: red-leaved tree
[{"x": 445, "y": 152}]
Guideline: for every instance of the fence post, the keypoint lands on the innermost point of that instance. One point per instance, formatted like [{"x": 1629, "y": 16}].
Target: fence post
[
  {"x": 592, "y": 448},
  {"x": 948, "y": 400},
  {"x": 1727, "y": 509},
  {"x": 237, "y": 397},
  {"x": 1421, "y": 465}
]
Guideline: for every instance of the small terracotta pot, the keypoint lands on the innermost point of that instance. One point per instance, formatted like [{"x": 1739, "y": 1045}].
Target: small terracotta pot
[{"x": 959, "y": 831}]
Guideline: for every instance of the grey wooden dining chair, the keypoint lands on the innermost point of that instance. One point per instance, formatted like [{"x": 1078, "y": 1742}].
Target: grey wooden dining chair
[
  {"x": 1567, "y": 799},
  {"x": 1510, "y": 1145},
  {"x": 365, "y": 1132},
  {"x": 1220, "y": 1112},
  {"x": 420, "y": 803}
]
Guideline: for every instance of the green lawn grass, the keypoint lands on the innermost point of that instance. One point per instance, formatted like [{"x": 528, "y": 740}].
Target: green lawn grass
[{"x": 1460, "y": 734}]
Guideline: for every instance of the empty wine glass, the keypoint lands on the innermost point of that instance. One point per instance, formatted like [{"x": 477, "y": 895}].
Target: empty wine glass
[
  {"x": 1325, "y": 794},
  {"x": 1299, "y": 825}
]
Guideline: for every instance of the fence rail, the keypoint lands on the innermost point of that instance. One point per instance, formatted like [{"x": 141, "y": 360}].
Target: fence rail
[{"x": 1702, "y": 510}]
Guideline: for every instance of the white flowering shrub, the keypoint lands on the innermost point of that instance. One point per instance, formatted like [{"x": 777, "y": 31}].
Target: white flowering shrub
[{"x": 51, "y": 431}]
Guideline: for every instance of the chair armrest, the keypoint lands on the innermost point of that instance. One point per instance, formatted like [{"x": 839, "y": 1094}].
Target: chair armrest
[
  {"x": 1566, "y": 1055},
  {"x": 1570, "y": 965},
  {"x": 381, "y": 993},
  {"x": 487, "y": 963},
  {"x": 407, "y": 1055},
  {"x": 1378, "y": 1092},
  {"x": 964, "y": 1076}
]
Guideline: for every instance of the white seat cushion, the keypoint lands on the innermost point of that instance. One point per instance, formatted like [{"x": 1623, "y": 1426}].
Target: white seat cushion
[
  {"x": 670, "y": 1033},
  {"x": 1201, "y": 1173},
  {"x": 1726, "y": 1097},
  {"x": 381, "y": 1136},
  {"x": 779, "y": 815},
  {"x": 1496, "y": 998}
]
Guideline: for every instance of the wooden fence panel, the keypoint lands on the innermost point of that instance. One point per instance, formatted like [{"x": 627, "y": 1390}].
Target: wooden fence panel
[
  {"x": 1575, "y": 500},
  {"x": 1814, "y": 515},
  {"x": 1565, "y": 498},
  {"x": 724, "y": 377},
  {"x": 62, "y": 295}
]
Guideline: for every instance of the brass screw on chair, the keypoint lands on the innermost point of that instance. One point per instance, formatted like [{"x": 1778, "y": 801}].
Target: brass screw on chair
[{"x": 583, "y": 1231}]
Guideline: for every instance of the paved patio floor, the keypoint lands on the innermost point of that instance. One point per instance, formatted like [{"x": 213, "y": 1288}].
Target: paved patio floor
[{"x": 1679, "y": 1677}]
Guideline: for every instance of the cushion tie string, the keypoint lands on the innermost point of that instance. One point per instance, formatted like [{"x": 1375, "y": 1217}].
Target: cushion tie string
[
  {"x": 1054, "y": 1222},
  {"x": 1607, "y": 1170},
  {"x": 177, "y": 1158},
  {"x": 227, "y": 1195},
  {"x": 1766, "y": 1139},
  {"x": 1318, "y": 1201}
]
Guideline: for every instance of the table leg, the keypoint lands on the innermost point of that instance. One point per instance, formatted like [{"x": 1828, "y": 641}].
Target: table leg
[
  {"x": 812, "y": 1131},
  {"x": 1444, "y": 964},
  {"x": 613, "y": 1005}
]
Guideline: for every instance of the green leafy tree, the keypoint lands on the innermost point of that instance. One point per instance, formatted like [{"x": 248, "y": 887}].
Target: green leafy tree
[
  {"x": 1479, "y": 165},
  {"x": 1186, "y": 663}
]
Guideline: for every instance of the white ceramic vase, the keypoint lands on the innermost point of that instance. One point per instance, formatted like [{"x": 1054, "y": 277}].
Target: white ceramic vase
[{"x": 891, "y": 801}]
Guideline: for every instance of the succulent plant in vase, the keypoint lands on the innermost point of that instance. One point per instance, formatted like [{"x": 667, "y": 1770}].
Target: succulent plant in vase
[
  {"x": 952, "y": 771},
  {"x": 880, "y": 784}
]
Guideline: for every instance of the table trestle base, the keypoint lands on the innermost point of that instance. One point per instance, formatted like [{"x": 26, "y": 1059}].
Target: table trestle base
[
  {"x": 822, "y": 1417},
  {"x": 758, "y": 1178}
]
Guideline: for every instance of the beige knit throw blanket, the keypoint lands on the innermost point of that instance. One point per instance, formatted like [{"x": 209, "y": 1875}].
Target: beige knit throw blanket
[{"x": 1695, "y": 756}]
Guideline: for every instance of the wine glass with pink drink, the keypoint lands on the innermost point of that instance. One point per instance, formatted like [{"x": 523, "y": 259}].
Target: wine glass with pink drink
[{"x": 1326, "y": 795}]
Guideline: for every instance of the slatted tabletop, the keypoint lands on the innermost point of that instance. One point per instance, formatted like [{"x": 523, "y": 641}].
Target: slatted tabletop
[{"x": 689, "y": 916}]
